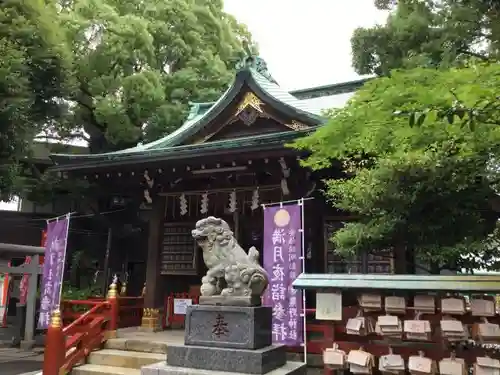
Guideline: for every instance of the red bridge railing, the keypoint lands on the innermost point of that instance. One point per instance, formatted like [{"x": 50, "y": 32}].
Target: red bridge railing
[{"x": 89, "y": 324}]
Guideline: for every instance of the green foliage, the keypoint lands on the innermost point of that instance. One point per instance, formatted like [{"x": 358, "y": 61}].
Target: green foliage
[
  {"x": 111, "y": 72},
  {"x": 472, "y": 99},
  {"x": 429, "y": 33},
  {"x": 70, "y": 292},
  {"x": 33, "y": 75},
  {"x": 429, "y": 187},
  {"x": 138, "y": 64}
]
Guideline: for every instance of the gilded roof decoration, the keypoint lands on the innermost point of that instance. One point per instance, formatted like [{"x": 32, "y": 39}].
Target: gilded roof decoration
[
  {"x": 250, "y": 99},
  {"x": 297, "y": 125},
  {"x": 248, "y": 116}
]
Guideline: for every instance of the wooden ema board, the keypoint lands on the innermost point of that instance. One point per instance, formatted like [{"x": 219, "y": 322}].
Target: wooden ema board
[
  {"x": 435, "y": 348},
  {"x": 178, "y": 252}
]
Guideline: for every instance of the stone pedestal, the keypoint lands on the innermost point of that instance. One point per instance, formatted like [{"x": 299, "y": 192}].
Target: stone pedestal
[
  {"x": 232, "y": 339},
  {"x": 239, "y": 327}
]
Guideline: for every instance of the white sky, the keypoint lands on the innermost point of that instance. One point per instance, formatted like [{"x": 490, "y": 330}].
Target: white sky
[
  {"x": 8, "y": 206},
  {"x": 305, "y": 43}
]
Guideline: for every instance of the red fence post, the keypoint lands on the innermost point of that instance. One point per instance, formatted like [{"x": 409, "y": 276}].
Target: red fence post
[
  {"x": 55, "y": 352},
  {"x": 114, "y": 310}
]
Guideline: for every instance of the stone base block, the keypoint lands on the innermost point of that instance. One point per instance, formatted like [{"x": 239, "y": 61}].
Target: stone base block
[
  {"x": 27, "y": 344},
  {"x": 289, "y": 368},
  {"x": 246, "y": 361},
  {"x": 230, "y": 301},
  {"x": 229, "y": 326}
]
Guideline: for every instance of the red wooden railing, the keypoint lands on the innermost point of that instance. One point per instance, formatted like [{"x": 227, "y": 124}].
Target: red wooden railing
[
  {"x": 130, "y": 311},
  {"x": 87, "y": 330},
  {"x": 85, "y": 325}
]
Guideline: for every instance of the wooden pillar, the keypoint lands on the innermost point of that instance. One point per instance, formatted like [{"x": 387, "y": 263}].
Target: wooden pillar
[
  {"x": 105, "y": 269},
  {"x": 400, "y": 260},
  {"x": 29, "y": 334},
  {"x": 236, "y": 224},
  {"x": 54, "y": 353},
  {"x": 153, "y": 293},
  {"x": 112, "y": 298}
]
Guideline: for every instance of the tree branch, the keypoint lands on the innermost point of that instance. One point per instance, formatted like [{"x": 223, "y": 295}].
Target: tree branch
[
  {"x": 474, "y": 54},
  {"x": 60, "y": 138}
]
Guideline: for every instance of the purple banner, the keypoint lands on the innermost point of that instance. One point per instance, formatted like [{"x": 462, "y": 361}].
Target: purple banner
[
  {"x": 53, "y": 269},
  {"x": 282, "y": 252}
]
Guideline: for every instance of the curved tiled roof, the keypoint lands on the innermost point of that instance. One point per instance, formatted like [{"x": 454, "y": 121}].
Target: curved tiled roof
[
  {"x": 253, "y": 74},
  {"x": 202, "y": 113},
  {"x": 181, "y": 152}
]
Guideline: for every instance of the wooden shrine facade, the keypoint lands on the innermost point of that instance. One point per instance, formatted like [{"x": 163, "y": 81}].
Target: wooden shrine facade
[{"x": 228, "y": 159}]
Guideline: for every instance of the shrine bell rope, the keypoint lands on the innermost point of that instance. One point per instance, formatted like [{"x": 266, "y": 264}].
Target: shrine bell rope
[{"x": 300, "y": 202}]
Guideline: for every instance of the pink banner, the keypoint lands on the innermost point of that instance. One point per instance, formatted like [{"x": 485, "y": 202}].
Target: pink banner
[
  {"x": 282, "y": 261},
  {"x": 53, "y": 269}
]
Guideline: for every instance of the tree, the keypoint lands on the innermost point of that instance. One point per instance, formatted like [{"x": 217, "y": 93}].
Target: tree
[
  {"x": 427, "y": 188},
  {"x": 33, "y": 76},
  {"x": 429, "y": 33},
  {"x": 137, "y": 64}
]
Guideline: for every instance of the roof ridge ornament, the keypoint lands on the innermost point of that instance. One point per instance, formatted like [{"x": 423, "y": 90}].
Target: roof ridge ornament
[
  {"x": 258, "y": 64},
  {"x": 194, "y": 108}
]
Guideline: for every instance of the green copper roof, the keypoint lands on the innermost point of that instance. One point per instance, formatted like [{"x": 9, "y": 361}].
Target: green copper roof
[
  {"x": 330, "y": 90},
  {"x": 434, "y": 283},
  {"x": 273, "y": 90},
  {"x": 252, "y": 75},
  {"x": 197, "y": 118},
  {"x": 179, "y": 152}
]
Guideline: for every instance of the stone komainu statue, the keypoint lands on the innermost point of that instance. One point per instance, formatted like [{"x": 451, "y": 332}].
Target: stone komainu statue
[{"x": 231, "y": 271}]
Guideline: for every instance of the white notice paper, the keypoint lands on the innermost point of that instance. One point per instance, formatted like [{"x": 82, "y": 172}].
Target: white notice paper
[
  {"x": 181, "y": 304},
  {"x": 329, "y": 306}
]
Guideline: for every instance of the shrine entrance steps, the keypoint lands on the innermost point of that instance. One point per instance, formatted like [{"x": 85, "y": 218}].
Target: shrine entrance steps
[
  {"x": 133, "y": 349},
  {"x": 117, "y": 362},
  {"x": 126, "y": 354}
]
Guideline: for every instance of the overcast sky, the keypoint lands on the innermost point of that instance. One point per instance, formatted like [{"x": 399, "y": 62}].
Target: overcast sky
[{"x": 306, "y": 43}]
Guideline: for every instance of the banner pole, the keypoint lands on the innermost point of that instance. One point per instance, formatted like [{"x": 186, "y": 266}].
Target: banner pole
[
  {"x": 68, "y": 218},
  {"x": 282, "y": 203},
  {"x": 304, "y": 335}
]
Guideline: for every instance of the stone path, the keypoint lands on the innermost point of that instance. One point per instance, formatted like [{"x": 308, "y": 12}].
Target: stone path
[{"x": 14, "y": 361}]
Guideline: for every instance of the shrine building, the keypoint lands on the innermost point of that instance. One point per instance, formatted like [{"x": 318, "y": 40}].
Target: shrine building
[{"x": 226, "y": 160}]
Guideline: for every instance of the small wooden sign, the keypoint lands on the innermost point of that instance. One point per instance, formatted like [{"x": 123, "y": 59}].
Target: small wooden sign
[
  {"x": 329, "y": 306},
  {"x": 181, "y": 304}
]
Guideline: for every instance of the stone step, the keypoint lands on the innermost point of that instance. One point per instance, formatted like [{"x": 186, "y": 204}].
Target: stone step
[
  {"x": 137, "y": 345},
  {"x": 258, "y": 361},
  {"x": 289, "y": 368},
  {"x": 104, "y": 370},
  {"x": 160, "y": 347},
  {"x": 121, "y": 358}
]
